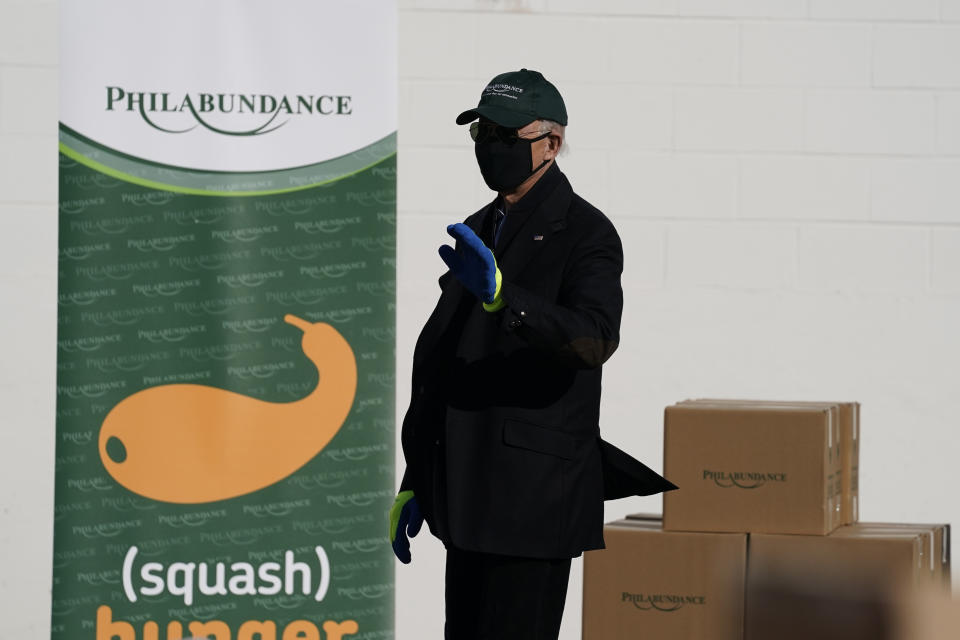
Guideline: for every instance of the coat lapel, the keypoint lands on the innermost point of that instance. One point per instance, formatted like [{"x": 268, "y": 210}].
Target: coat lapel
[{"x": 531, "y": 230}]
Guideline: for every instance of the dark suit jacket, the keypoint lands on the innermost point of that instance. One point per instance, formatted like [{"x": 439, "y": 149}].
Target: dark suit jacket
[{"x": 502, "y": 438}]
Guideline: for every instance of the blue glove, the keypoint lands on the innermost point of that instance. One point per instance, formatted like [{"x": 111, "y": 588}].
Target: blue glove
[
  {"x": 405, "y": 518},
  {"x": 472, "y": 263}
]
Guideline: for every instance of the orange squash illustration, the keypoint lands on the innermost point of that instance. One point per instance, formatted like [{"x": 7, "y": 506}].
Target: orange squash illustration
[{"x": 189, "y": 443}]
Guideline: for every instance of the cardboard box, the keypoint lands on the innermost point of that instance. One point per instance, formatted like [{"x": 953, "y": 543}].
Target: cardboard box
[
  {"x": 799, "y": 598},
  {"x": 850, "y": 446},
  {"x": 934, "y": 551},
  {"x": 930, "y": 615},
  {"x": 935, "y": 545},
  {"x": 752, "y": 468},
  {"x": 849, "y": 475},
  {"x": 834, "y": 606},
  {"x": 893, "y": 558},
  {"x": 647, "y": 517},
  {"x": 651, "y": 583},
  {"x": 796, "y": 606},
  {"x": 839, "y": 586}
]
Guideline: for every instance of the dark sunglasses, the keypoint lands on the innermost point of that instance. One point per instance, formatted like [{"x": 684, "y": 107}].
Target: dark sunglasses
[{"x": 489, "y": 131}]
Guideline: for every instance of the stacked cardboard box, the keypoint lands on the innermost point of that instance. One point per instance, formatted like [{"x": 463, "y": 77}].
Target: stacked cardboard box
[
  {"x": 767, "y": 509},
  {"x": 934, "y": 561},
  {"x": 775, "y": 420},
  {"x": 651, "y": 583},
  {"x": 753, "y": 467},
  {"x": 927, "y": 616}
]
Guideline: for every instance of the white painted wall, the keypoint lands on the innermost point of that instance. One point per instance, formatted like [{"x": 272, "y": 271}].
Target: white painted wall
[
  {"x": 785, "y": 176},
  {"x": 28, "y": 320}
]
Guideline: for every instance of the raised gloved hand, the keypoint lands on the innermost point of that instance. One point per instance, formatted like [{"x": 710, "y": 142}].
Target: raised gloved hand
[
  {"x": 405, "y": 519},
  {"x": 473, "y": 264}
]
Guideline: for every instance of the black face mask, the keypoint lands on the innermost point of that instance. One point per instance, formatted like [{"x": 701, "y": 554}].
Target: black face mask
[{"x": 505, "y": 165}]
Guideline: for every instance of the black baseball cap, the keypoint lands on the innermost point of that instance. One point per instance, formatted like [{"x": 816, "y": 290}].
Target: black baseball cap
[{"x": 517, "y": 98}]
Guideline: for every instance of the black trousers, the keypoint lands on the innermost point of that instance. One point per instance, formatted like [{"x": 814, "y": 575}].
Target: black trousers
[{"x": 491, "y": 596}]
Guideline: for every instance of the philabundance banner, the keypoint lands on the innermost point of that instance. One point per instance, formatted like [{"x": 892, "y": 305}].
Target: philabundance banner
[{"x": 226, "y": 326}]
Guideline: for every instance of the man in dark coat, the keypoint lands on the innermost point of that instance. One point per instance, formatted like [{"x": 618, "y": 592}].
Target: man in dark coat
[{"x": 502, "y": 437}]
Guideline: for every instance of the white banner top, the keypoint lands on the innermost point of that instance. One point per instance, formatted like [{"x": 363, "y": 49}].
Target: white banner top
[{"x": 152, "y": 80}]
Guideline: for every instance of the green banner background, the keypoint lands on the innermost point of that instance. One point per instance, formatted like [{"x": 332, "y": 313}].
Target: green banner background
[{"x": 163, "y": 286}]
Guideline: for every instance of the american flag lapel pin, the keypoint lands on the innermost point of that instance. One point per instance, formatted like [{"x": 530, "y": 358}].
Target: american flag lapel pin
[{"x": 538, "y": 237}]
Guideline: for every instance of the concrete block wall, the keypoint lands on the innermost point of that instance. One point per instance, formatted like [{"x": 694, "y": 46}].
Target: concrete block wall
[
  {"x": 783, "y": 173},
  {"x": 28, "y": 321}
]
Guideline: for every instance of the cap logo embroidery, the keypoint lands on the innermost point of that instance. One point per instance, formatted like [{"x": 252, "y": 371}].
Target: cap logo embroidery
[{"x": 500, "y": 89}]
